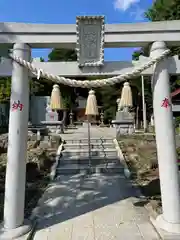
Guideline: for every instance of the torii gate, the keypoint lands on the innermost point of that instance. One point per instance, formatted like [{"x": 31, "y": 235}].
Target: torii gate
[{"x": 90, "y": 35}]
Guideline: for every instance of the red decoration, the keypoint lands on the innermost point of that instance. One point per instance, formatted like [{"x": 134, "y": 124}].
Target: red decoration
[
  {"x": 165, "y": 103},
  {"x": 17, "y": 105}
]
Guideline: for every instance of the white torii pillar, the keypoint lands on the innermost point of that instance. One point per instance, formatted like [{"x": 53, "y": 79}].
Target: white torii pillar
[
  {"x": 166, "y": 147},
  {"x": 14, "y": 225}
]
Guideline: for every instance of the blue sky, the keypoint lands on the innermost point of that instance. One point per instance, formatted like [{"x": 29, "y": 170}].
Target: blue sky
[{"x": 65, "y": 11}]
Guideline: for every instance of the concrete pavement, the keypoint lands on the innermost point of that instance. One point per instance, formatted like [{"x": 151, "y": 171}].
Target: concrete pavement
[{"x": 99, "y": 207}]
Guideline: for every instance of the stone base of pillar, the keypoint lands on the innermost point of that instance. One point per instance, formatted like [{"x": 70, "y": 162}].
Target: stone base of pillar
[
  {"x": 9, "y": 234},
  {"x": 159, "y": 222},
  {"x": 124, "y": 123},
  {"x": 123, "y": 128}
]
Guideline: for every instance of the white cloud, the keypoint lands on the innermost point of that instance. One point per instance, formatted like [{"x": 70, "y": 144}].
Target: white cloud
[
  {"x": 138, "y": 14},
  {"x": 123, "y": 5}
]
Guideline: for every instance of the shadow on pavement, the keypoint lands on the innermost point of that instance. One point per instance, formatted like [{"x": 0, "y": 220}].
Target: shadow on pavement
[{"x": 74, "y": 195}]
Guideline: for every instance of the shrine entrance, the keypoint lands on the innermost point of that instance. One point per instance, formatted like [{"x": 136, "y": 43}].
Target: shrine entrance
[{"x": 90, "y": 36}]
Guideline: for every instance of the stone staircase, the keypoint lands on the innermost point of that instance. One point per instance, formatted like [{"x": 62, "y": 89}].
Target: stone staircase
[{"x": 75, "y": 157}]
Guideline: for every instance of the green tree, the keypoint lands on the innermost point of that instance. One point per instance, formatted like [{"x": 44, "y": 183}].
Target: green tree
[
  {"x": 107, "y": 99},
  {"x": 42, "y": 59},
  {"x": 40, "y": 87},
  {"x": 64, "y": 55},
  {"x": 142, "y": 52},
  {"x": 163, "y": 10},
  {"x": 5, "y": 89}
]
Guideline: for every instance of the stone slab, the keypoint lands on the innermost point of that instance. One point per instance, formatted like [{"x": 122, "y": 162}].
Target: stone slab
[{"x": 90, "y": 40}]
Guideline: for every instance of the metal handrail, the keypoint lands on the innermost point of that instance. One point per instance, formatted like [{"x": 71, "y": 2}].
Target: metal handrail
[{"x": 105, "y": 156}]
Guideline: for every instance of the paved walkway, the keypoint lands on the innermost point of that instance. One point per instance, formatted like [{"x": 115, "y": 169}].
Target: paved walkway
[
  {"x": 98, "y": 207},
  {"x": 95, "y": 132}
]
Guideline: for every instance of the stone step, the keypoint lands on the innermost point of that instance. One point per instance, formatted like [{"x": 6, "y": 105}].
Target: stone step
[
  {"x": 93, "y": 150},
  {"x": 92, "y": 140},
  {"x": 101, "y": 168},
  {"x": 85, "y": 153},
  {"x": 86, "y": 145},
  {"x": 85, "y": 160}
]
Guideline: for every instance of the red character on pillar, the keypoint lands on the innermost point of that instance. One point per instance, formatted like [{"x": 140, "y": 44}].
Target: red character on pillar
[
  {"x": 165, "y": 103},
  {"x": 17, "y": 105}
]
